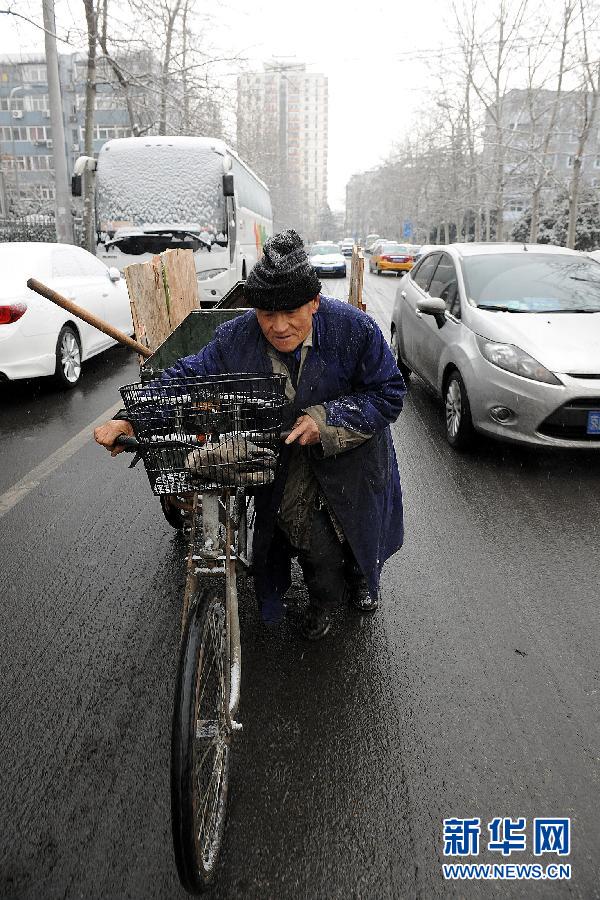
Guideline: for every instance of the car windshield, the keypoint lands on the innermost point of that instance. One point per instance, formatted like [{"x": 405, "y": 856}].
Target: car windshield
[
  {"x": 324, "y": 250},
  {"x": 533, "y": 282},
  {"x": 140, "y": 185},
  {"x": 394, "y": 248}
]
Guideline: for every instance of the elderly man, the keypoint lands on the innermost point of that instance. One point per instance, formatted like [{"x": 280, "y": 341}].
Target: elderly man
[{"x": 336, "y": 501}]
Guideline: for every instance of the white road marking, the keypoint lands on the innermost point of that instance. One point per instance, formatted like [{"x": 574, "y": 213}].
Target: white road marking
[{"x": 25, "y": 485}]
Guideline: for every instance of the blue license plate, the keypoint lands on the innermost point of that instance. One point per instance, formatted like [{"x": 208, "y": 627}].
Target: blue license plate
[{"x": 593, "y": 422}]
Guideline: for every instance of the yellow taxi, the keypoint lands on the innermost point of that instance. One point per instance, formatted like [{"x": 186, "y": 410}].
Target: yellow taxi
[{"x": 388, "y": 256}]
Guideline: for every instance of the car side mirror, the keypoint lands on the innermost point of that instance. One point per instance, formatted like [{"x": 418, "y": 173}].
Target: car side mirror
[
  {"x": 433, "y": 306},
  {"x": 114, "y": 274},
  {"x": 228, "y": 187}
]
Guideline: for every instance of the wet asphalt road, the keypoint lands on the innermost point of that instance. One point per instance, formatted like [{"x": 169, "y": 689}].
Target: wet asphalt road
[{"x": 473, "y": 692}]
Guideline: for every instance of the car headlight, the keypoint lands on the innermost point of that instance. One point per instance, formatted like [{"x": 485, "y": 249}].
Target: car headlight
[
  {"x": 209, "y": 273},
  {"x": 515, "y": 360}
]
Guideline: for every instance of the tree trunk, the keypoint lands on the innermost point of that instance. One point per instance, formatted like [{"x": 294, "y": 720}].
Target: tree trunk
[
  {"x": 574, "y": 202},
  {"x": 535, "y": 214},
  {"x": 574, "y": 187},
  {"x": 186, "y": 124},
  {"x": 541, "y": 179},
  {"x": 164, "y": 81},
  {"x": 123, "y": 82}
]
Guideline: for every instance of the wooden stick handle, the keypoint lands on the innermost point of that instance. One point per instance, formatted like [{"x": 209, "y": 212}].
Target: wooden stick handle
[{"x": 34, "y": 285}]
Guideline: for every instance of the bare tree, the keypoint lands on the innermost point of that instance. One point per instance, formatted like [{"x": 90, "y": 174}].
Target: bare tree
[
  {"x": 541, "y": 176},
  {"x": 588, "y": 101}
]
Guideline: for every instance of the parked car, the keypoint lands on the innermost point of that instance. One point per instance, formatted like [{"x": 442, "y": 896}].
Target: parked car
[
  {"x": 327, "y": 259},
  {"x": 508, "y": 335},
  {"x": 388, "y": 256},
  {"x": 346, "y": 246},
  {"x": 36, "y": 336},
  {"x": 370, "y": 240}
]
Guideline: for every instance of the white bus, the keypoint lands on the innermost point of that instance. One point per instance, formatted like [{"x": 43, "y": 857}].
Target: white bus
[{"x": 159, "y": 193}]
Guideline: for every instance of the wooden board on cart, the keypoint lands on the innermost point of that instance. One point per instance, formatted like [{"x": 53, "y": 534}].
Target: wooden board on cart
[{"x": 162, "y": 292}]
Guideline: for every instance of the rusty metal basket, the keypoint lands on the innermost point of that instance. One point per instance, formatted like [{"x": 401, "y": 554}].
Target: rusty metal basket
[{"x": 203, "y": 433}]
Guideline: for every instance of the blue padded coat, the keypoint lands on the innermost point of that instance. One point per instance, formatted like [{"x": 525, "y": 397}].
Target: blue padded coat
[{"x": 352, "y": 372}]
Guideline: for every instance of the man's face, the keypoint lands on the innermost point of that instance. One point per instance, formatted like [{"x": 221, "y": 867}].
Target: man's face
[{"x": 285, "y": 330}]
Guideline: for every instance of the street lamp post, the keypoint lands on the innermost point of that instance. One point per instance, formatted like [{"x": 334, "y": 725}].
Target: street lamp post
[{"x": 64, "y": 221}]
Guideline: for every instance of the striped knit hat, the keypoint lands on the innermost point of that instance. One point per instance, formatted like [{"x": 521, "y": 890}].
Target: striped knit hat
[{"x": 284, "y": 278}]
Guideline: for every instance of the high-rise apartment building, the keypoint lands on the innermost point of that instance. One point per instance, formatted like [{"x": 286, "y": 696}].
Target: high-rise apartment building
[{"x": 282, "y": 133}]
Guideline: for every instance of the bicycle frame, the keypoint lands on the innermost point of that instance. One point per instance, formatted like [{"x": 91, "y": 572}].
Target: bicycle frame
[{"x": 211, "y": 552}]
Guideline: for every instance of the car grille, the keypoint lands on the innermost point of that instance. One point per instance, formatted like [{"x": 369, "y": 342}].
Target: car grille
[{"x": 569, "y": 422}]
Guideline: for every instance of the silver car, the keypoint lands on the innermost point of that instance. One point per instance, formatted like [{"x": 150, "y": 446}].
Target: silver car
[{"x": 508, "y": 335}]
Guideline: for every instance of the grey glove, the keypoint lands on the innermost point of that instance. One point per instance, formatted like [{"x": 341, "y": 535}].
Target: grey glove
[{"x": 239, "y": 461}]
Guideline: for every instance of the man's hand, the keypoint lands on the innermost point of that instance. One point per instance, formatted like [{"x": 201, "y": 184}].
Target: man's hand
[
  {"x": 305, "y": 431},
  {"x": 106, "y": 434}
]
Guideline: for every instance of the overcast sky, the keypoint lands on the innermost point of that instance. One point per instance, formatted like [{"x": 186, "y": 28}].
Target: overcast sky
[{"x": 372, "y": 53}]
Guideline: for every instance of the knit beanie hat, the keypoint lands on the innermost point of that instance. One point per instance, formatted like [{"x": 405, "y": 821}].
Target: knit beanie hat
[{"x": 284, "y": 278}]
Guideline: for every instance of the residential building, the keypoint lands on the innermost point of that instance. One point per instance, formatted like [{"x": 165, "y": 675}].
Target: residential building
[
  {"x": 515, "y": 139},
  {"x": 282, "y": 132},
  {"x": 26, "y": 140},
  {"x": 363, "y": 215}
]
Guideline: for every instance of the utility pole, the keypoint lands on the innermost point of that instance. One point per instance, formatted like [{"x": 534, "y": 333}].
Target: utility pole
[{"x": 64, "y": 220}]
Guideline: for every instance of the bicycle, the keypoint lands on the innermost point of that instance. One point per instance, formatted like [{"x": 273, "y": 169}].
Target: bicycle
[{"x": 214, "y": 438}]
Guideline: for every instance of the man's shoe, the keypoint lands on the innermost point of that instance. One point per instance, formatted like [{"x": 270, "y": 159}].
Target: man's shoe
[
  {"x": 315, "y": 623},
  {"x": 360, "y": 598}
]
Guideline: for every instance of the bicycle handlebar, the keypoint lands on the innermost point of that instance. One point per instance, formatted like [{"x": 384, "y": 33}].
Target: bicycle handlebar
[
  {"x": 127, "y": 442},
  {"x": 132, "y": 445}
]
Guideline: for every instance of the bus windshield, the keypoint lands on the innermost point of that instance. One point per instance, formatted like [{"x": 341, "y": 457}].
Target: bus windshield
[{"x": 144, "y": 186}]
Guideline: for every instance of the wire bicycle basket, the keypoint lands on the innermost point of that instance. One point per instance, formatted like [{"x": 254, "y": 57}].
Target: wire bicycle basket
[{"x": 209, "y": 432}]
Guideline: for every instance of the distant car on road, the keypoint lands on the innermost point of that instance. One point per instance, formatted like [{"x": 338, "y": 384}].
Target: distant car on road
[
  {"x": 388, "y": 256},
  {"x": 39, "y": 338},
  {"x": 422, "y": 249},
  {"x": 370, "y": 240},
  {"x": 346, "y": 246},
  {"x": 327, "y": 259},
  {"x": 508, "y": 335}
]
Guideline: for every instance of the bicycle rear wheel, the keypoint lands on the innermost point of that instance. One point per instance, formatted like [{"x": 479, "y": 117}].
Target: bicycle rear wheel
[{"x": 200, "y": 745}]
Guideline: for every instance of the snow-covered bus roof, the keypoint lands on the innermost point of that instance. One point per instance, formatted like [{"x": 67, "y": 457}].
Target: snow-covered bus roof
[{"x": 135, "y": 144}]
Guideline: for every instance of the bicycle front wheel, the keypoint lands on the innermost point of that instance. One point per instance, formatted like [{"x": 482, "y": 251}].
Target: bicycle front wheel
[{"x": 200, "y": 745}]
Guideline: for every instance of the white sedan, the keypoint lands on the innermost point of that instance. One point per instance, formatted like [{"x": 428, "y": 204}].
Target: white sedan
[
  {"x": 39, "y": 338},
  {"x": 326, "y": 259}
]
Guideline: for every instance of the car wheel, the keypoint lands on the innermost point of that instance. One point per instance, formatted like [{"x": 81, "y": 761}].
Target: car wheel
[
  {"x": 68, "y": 358},
  {"x": 459, "y": 423},
  {"x": 378, "y": 270},
  {"x": 395, "y": 348}
]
